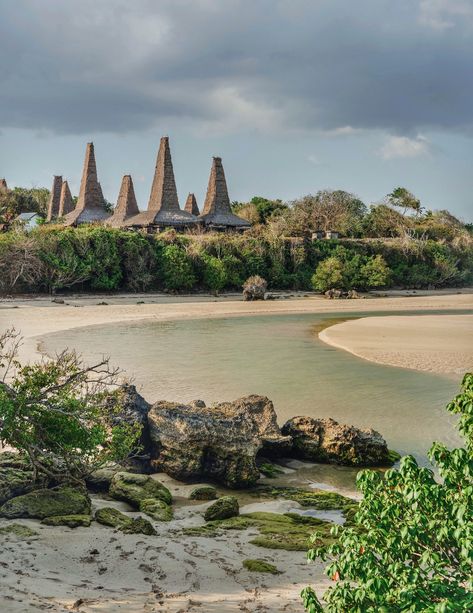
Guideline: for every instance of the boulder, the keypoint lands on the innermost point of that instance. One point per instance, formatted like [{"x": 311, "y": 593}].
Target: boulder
[
  {"x": 71, "y": 521},
  {"x": 254, "y": 288},
  {"x": 325, "y": 440},
  {"x": 220, "y": 442},
  {"x": 157, "y": 509},
  {"x": 203, "y": 492},
  {"x": 133, "y": 488},
  {"x": 116, "y": 519},
  {"x": 223, "y": 508},
  {"x": 46, "y": 503},
  {"x": 100, "y": 480}
]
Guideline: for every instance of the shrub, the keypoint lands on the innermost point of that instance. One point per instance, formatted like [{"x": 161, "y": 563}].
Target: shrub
[
  {"x": 177, "y": 270},
  {"x": 410, "y": 548},
  {"x": 214, "y": 273},
  {"x": 254, "y": 288}
]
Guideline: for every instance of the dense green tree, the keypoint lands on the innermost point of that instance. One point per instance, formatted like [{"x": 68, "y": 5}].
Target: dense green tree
[
  {"x": 21, "y": 200},
  {"x": 403, "y": 199},
  {"x": 177, "y": 271},
  {"x": 411, "y": 546}
]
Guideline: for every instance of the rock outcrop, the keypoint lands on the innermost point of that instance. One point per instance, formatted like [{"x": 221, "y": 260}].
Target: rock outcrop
[
  {"x": 325, "y": 440},
  {"x": 195, "y": 442},
  {"x": 114, "y": 518}
]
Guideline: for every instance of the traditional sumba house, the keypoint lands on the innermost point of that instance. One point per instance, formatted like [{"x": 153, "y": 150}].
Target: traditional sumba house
[
  {"x": 127, "y": 206},
  {"x": 66, "y": 204},
  {"x": 3, "y": 185},
  {"x": 90, "y": 206},
  {"x": 217, "y": 213},
  {"x": 191, "y": 205},
  {"x": 163, "y": 206},
  {"x": 54, "y": 199}
]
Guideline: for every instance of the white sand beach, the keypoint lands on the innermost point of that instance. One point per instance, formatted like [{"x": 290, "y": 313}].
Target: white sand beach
[{"x": 433, "y": 343}]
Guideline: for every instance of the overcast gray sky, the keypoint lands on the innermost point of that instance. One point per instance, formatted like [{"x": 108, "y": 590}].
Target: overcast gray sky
[{"x": 295, "y": 95}]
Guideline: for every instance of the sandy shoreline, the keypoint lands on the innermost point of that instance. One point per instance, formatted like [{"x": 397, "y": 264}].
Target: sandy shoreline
[
  {"x": 97, "y": 570},
  {"x": 38, "y": 317},
  {"x": 431, "y": 343}
]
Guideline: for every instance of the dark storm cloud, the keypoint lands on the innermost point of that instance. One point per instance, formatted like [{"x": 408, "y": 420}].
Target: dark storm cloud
[{"x": 82, "y": 66}]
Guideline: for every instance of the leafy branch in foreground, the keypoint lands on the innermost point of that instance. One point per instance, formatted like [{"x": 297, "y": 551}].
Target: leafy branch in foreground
[
  {"x": 61, "y": 412},
  {"x": 411, "y": 548}
]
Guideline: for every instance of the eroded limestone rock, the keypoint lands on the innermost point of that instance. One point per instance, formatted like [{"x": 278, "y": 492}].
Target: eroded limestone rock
[
  {"x": 223, "y": 508},
  {"x": 46, "y": 503},
  {"x": 134, "y": 488},
  {"x": 194, "y": 442},
  {"x": 326, "y": 440}
]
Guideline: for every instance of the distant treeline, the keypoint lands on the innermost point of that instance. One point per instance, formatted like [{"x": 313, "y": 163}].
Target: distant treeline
[{"x": 94, "y": 258}]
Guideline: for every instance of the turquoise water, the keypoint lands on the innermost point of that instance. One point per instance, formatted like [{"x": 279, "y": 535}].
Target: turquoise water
[{"x": 279, "y": 356}]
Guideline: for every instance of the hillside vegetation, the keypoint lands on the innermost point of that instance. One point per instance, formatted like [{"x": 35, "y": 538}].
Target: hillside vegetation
[{"x": 393, "y": 244}]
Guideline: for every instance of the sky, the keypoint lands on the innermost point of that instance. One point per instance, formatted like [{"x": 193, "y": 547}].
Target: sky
[{"x": 294, "y": 95}]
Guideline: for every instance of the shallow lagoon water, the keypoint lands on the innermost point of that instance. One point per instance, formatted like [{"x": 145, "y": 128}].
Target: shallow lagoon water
[{"x": 279, "y": 356}]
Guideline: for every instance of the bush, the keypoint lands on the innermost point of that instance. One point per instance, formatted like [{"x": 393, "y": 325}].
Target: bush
[
  {"x": 177, "y": 269},
  {"x": 214, "y": 273},
  {"x": 410, "y": 548},
  {"x": 254, "y": 288}
]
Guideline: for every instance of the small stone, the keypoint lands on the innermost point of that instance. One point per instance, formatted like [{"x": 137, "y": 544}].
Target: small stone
[{"x": 203, "y": 492}]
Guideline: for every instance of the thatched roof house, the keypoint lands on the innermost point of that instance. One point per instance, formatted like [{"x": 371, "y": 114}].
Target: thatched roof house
[
  {"x": 90, "y": 206},
  {"x": 217, "y": 213},
  {"x": 163, "y": 206},
  {"x": 54, "y": 198},
  {"x": 127, "y": 207},
  {"x": 191, "y": 205},
  {"x": 66, "y": 204}
]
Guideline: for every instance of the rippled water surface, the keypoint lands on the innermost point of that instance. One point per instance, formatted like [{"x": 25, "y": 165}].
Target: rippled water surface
[{"x": 281, "y": 357}]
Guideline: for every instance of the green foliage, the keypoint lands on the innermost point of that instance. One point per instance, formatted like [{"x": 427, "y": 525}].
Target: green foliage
[
  {"x": 22, "y": 200},
  {"x": 404, "y": 199},
  {"x": 177, "y": 269},
  {"x": 411, "y": 548},
  {"x": 61, "y": 412},
  {"x": 214, "y": 273},
  {"x": 347, "y": 270}
]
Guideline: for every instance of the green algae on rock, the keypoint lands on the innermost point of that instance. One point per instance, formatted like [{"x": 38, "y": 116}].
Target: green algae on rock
[
  {"x": 260, "y": 566},
  {"x": 223, "y": 508},
  {"x": 71, "y": 521},
  {"x": 203, "y": 492},
  {"x": 270, "y": 470},
  {"x": 290, "y": 531},
  {"x": 157, "y": 509},
  {"x": 114, "y": 518},
  {"x": 133, "y": 488},
  {"x": 46, "y": 503},
  {"x": 18, "y": 530},
  {"x": 313, "y": 498}
]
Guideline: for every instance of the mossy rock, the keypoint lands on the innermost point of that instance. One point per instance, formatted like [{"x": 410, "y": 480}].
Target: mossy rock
[
  {"x": 223, "y": 508},
  {"x": 116, "y": 519},
  {"x": 133, "y": 488},
  {"x": 203, "y": 492},
  {"x": 13, "y": 459},
  {"x": 109, "y": 516},
  {"x": 260, "y": 566},
  {"x": 313, "y": 498},
  {"x": 100, "y": 480},
  {"x": 270, "y": 470},
  {"x": 18, "y": 530},
  {"x": 47, "y": 503},
  {"x": 157, "y": 509},
  {"x": 71, "y": 521},
  {"x": 140, "y": 525},
  {"x": 291, "y": 532},
  {"x": 14, "y": 482}
]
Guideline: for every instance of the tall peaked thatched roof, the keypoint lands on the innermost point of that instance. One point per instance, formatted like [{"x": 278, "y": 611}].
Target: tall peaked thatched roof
[
  {"x": 163, "y": 205},
  {"x": 217, "y": 209},
  {"x": 66, "y": 204},
  {"x": 54, "y": 198},
  {"x": 3, "y": 185},
  {"x": 126, "y": 204},
  {"x": 90, "y": 206},
  {"x": 191, "y": 205}
]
